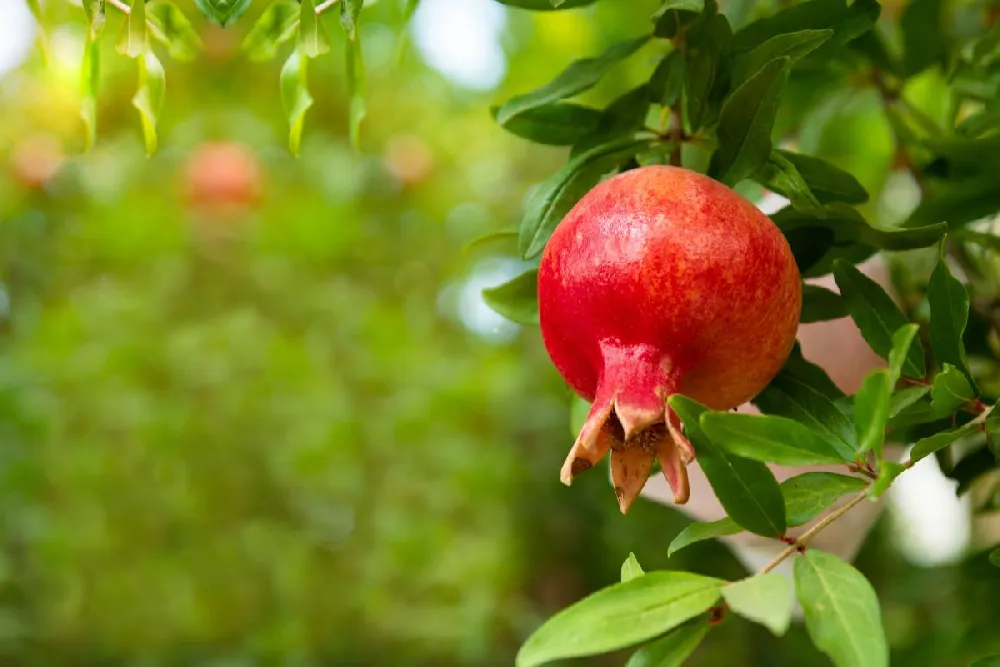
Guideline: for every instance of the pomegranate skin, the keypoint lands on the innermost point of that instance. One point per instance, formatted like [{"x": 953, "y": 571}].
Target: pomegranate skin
[{"x": 662, "y": 281}]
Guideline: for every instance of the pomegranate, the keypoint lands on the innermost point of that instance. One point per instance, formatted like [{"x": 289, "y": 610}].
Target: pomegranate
[{"x": 662, "y": 281}]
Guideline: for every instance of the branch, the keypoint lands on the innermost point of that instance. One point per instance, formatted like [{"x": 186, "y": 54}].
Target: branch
[
  {"x": 325, "y": 5},
  {"x": 807, "y": 536}
]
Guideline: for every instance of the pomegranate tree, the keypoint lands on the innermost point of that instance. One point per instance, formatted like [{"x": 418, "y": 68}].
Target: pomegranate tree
[{"x": 661, "y": 281}]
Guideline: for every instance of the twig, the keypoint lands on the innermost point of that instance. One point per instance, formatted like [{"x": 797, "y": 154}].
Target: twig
[
  {"x": 120, "y": 6},
  {"x": 807, "y": 536},
  {"x": 325, "y": 5}
]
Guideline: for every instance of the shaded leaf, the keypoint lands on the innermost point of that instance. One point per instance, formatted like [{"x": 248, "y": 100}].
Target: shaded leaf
[
  {"x": 674, "y": 648},
  {"x": 876, "y": 315},
  {"x": 557, "y": 124},
  {"x": 848, "y": 21},
  {"x": 623, "y": 116},
  {"x": 792, "y": 45},
  {"x": 820, "y": 305},
  {"x": 871, "y": 411},
  {"x": 745, "y": 125},
  {"x": 674, "y": 13},
  {"x": 556, "y": 196},
  {"x": 621, "y": 615},
  {"x": 666, "y": 84},
  {"x": 546, "y": 5},
  {"x": 578, "y": 77},
  {"x": 274, "y": 27},
  {"x": 746, "y": 489},
  {"x": 809, "y": 373},
  {"x": 809, "y": 494},
  {"x": 924, "y": 41},
  {"x": 765, "y": 599},
  {"x": 295, "y": 97},
  {"x": 791, "y": 396},
  {"x": 991, "y": 426},
  {"x": 148, "y": 99},
  {"x": 841, "y": 610},
  {"x": 994, "y": 560},
  {"x": 705, "y": 67},
  {"x": 904, "y": 398},
  {"x": 631, "y": 568},
  {"x": 517, "y": 300},
  {"x": 350, "y": 13},
  {"x": 169, "y": 26},
  {"x": 827, "y": 182},
  {"x": 949, "y": 304},
  {"x": 768, "y": 438},
  {"x": 222, "y": 12},
  {"x": 950, "y": 391},
  {"x": 779, "y": 175}
]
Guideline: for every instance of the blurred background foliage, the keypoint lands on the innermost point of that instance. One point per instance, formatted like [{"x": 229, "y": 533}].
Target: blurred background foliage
[{"x": 253, "y": 410}]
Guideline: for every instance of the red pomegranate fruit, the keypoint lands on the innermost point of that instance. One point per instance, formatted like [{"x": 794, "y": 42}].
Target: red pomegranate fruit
[{"x": 662, "y": 281}]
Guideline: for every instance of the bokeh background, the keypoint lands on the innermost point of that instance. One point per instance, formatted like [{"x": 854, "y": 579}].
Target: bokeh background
[{"x": 253, "y": 410}]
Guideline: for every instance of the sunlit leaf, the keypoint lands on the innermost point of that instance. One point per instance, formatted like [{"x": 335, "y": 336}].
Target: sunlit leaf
[
  {"x": 132, "y": 41},
  {"x": 169, "y": 25},
  {"x": 766, "y": 599},
  {"x": 90, "y": 76},
  {"x": 222, "y": 12},
  {"x": 148, "y": 100},
  {"x": 275, "y": 26},
  {"x": 295, "y": 97},
  {"x": 769, "y": 439},
  {"x": 871, "y": 411},
  {"x": 841, "y": 609},
  {"x": 631, "y": 568},
  {"x": 313, "y": 39},
  {"x": 621, "y": 615}
]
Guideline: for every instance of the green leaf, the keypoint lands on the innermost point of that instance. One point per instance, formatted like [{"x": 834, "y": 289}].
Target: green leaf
[
  {"x": 706, "y": 70},
  {"x": 949, "y": 304},
  {"x": 810, "y": 374},
  {"x": 557, "y": 124},
  {"x": 623, "y": 116},
  {"x": 169, "y": 26},
  {"x": 779, "y": 175},
  {"x": 295, "y": 97},
  {"x": 876, "y": 315},
  {"x": 848, "y": 21},
  {"x": 546, "y": 5},
  {"x": 222, "y": 12},
  {"x": 827, "y": 182},
  {"x": 674, "y": 648},
  {"x": 517, "y": 300},
  {"x": 902, "y": 340},
  {"x": 90, "y": 76},
  {"x": 871, "y": 411},
  {"x": 744, "y": 130},
  {"x": 350, "y": 13},
  {"x": 850, "y": 227},
  {"x": 275, "y": 26},
  {"x": 313, "y": 39},
  {"x": 621, "y": 615},
  {"x": 950, "y": 391},
  {"x": 904, "y": 398},
  {"x": 578, "y": 77},
  {"x": 631, "y": 568},
  {"x": 666, "y": 84},
  {"x": 556, "y": 196},
  {"x": 841, "y": 610},
  {"x": 809, "y": 494},
  {"x": 672, "y": 14},
  {"x": 768, "y": 438},
  {"x": 792, "y": 45},
  {"x": 132, "y": 41},
  {"x": 765, "y": 599},
  {"x": 992, "y": 428},
  {"x": 820, "y": 304},
  {"x": 887, "y": 474},
  {"x": 806, "y": 496},
  {"x": 701, "y": 531},
  {"x": 148, "y": 100},
  {"x": 924, "y": 41},
  {"x": 746, "y": 489},
  {"x": 927, "y": 446},
  {"x": 791, "y": 396},
  {"x": 356, "y": 84},
  {"x": 994, "y": 560}
]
